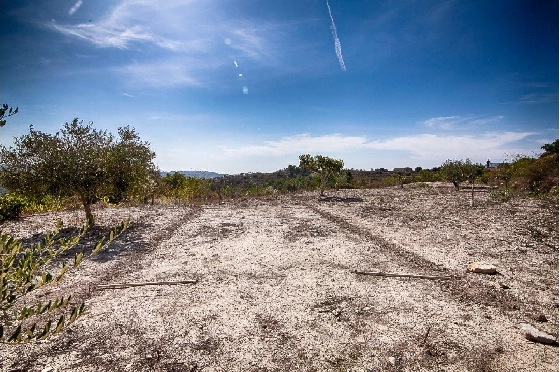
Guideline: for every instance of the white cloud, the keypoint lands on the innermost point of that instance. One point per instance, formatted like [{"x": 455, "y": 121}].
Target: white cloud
[
  {"x": 426, "y": 150},
  {"x": 452, "y": 122},
  {"x": 161, "y": 74},
  {"x": 188, "y": 36},
  {"x": 107, "y": 36},
  {"x": 422, "y": 145},
  {"x": 484, "y": 121},
  {"x": 186, "y": 27},
  {"x": 535, "y": 98},
  {"x": 433, "y": 146},
  {"x": 299, "y": 144},
  {"x": 442, "y": 121}
]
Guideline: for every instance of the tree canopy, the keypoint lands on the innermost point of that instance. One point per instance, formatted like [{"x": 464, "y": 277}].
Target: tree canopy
[
  {"x": 81, "y": 161},
  {"x": 550, "y": 149},
  {"x": 457, "y": 171},
  {"x": 325, "y": 167}
]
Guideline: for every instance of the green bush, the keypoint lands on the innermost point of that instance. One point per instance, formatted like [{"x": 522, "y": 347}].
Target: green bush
[
  {"x": 13, "y": 205},
  {"x": 535, "y": 176}
]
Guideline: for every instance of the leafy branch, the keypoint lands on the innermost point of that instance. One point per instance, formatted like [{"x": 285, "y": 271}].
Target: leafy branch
[
  {"x": 6, "y": 112},
  {"x": 24, "y": 270}
]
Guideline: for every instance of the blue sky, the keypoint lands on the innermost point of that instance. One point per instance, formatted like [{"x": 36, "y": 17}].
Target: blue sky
[{"x": 246, "y": 85}]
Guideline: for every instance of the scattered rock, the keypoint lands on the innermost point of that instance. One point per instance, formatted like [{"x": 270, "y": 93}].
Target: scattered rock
[
  {"x": 542, "y": 318},
  {"x": 533, "y": 334},
  {"x": 392, "y": 360},
  {"x": 482, "y": 268}
]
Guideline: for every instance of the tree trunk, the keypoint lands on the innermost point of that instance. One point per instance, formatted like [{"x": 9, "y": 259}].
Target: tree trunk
[
  {"x": 87, "y": 207},
  {"x": 323, "y": 186}
]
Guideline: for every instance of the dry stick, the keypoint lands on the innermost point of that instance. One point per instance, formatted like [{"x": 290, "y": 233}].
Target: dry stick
[
  {"x": 126, "y": 285},
  {"x": 447, "y": 277},
  {"x": 426, "y": 335}
]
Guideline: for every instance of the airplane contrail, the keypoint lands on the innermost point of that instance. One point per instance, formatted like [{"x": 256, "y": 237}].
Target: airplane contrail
[
  {"x": 337, "y": 47},
  {"x": 75, "y": 7}
]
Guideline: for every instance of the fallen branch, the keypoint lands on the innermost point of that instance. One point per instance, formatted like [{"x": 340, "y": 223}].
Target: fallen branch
[
  {"x": 439, "y": 277},
  {"x": 126, "y": 285},
  {"x": 426, "y": 335}
]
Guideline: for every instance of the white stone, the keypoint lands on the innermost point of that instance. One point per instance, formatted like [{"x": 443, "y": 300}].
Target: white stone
[
  {"x": 481, "y": 267},
  {"x": 533, "y": 334}
]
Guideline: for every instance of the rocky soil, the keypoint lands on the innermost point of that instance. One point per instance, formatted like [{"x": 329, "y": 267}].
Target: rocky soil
[{"x": 277, "y": 290}]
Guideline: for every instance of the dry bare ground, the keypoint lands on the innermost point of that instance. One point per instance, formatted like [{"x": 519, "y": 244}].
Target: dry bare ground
[{"x": 276, "y": 289}]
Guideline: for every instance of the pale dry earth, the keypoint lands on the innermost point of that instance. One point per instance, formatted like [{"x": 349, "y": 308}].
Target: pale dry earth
[{"x": 277, "y": 291}]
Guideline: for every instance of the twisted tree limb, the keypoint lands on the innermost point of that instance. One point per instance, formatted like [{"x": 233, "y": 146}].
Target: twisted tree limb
[
  {"x": 397, "y": 275},
  {"x": 126, "y": 285}
]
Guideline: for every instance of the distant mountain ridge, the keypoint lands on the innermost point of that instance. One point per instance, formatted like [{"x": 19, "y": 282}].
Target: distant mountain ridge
[{"x": 196, "y": 174}]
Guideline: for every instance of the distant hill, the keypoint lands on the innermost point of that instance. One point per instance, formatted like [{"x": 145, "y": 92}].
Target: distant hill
[{"x": 196, "y": 174}]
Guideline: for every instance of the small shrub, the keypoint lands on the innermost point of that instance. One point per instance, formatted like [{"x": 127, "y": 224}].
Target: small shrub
[
  {"x": 421, "y": 185},
  {"x": 13, "y": 205},
  {"x": 503, "y": 195}
]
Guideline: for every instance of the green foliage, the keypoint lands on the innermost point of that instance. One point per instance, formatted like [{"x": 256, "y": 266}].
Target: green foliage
[
  {"x": 12, "y": 205},
  {"x": 5, "y": 112},
  {"x": 178, "y": 186},
  {"x": 523, "y": 174},
  {"x": 78, "y": 161},
  {"x": 327, "y": 169},
  {"x": 457, "y": 171},
  {"x": 349, "y": 180},
  {"x": 536, "y": 176},
  {"x": 550, "y": 149},
  {"x": 131, "y": 173},
  {"x": 24, "y": 270},
  {"x": 425, "y": 175}
]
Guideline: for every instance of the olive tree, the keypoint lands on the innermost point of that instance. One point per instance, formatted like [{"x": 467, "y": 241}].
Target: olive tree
[
  {"x": 325, "y": 167},
  {"x": 457, "y": 171},
  {"x": 79, "y": 160}
]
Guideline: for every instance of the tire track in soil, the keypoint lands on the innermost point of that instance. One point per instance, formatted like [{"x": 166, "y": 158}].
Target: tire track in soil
[
  {"x": 148, "y": 241},
  {"x": 403, "y": 257},
  {"x": 130, "y": 263},
  {"x": 464, "y": 289}
]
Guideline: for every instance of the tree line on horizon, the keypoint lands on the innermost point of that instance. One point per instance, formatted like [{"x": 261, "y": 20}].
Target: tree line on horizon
[{"x": 80, "y": 165}]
